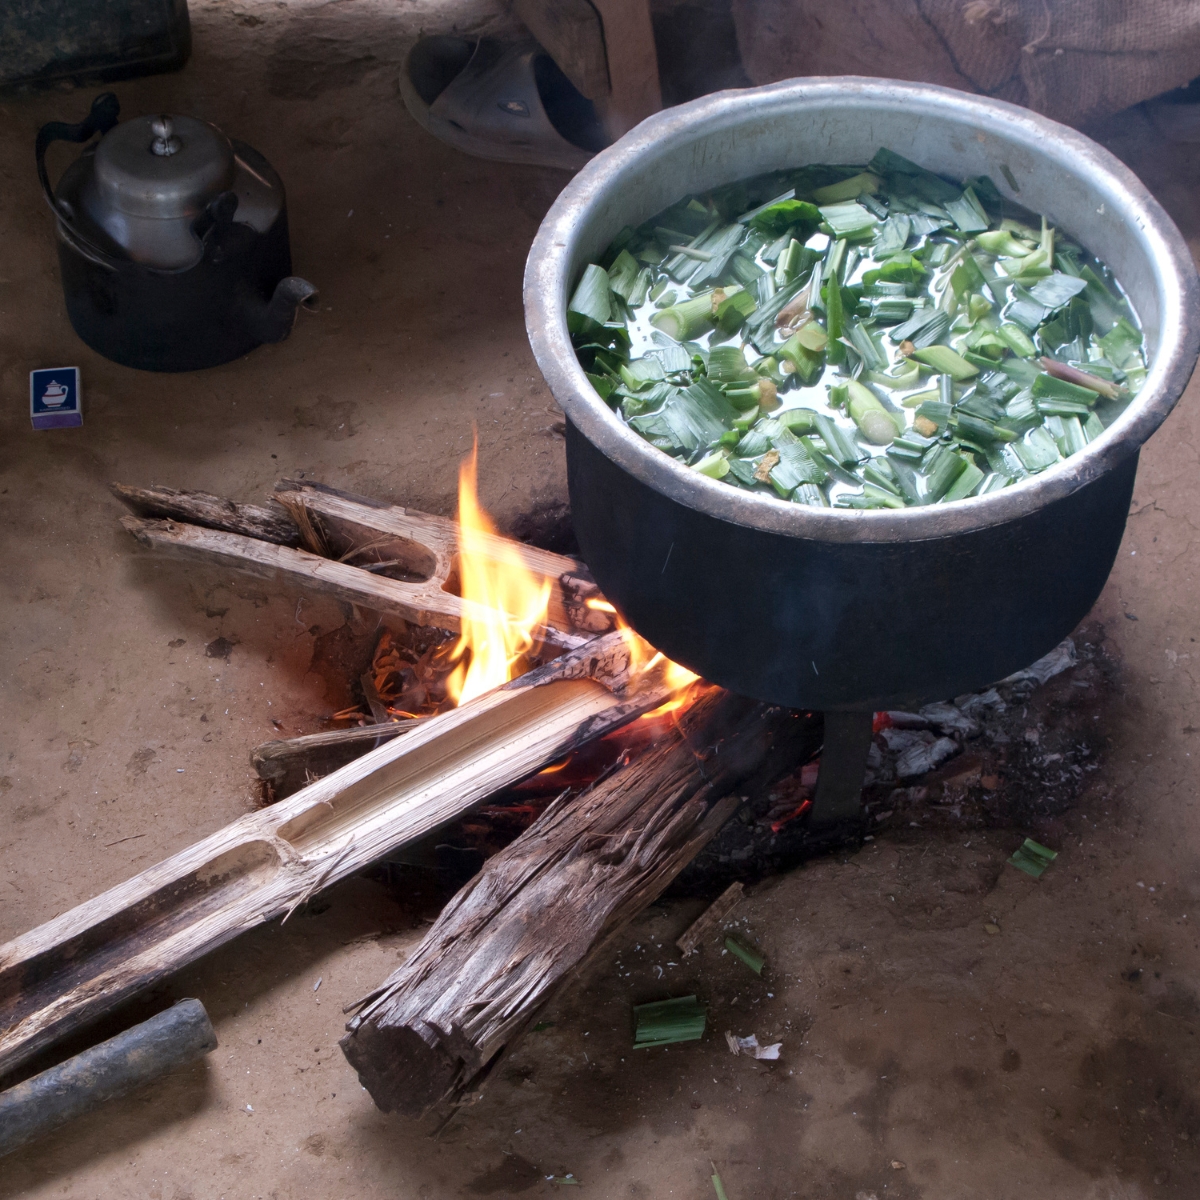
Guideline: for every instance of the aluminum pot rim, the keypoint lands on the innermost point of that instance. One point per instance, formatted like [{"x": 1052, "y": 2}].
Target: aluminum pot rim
[{"x": 549, "y": 264}]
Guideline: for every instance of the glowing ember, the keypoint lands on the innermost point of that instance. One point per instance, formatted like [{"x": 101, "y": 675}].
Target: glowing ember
[{"x": 505, "y": 601}]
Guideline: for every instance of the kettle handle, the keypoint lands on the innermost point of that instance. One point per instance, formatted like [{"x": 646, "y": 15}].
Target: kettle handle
[{"x": 101, "y": 118}]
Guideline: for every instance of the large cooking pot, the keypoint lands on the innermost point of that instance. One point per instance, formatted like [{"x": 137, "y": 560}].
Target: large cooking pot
[{"x": 841, "y": 609}]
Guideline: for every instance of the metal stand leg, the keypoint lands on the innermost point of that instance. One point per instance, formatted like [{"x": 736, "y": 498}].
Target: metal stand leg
[{"x": 838, "y": 797}]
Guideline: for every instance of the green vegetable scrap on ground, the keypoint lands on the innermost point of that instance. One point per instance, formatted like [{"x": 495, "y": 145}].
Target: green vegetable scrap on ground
[
  {"x": 862, "y": 337},
  {"x": 667, "y": 1021},
  {"x": 751, "y": 958},
  {"x": 1033, "y": 858}
]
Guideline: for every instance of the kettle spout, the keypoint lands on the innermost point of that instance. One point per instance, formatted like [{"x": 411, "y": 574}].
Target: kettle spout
[{"x": 273, "y": 321}]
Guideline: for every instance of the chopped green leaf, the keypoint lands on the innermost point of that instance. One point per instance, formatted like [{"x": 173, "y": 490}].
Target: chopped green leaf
[
  {"x": 1033, "y": 858},
  {"x": 666, "y": 1022},
  {"x": 751, "y": 958}
]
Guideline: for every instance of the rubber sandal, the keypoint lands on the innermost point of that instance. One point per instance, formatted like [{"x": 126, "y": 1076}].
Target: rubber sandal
[{"x": 504, "y": 101}]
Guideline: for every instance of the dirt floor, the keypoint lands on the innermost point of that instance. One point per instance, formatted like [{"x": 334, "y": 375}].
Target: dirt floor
[{"x": 952, "y": 1029}]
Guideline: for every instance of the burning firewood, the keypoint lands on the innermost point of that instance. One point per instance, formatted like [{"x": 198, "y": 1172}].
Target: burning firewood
[
  {"x": 83, "y": 963},
  {"x": 548, "y": 902},
  {"x": 379, "y": 556}
]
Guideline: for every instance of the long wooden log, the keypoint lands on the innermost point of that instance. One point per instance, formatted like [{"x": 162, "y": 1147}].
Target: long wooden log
[
  {"x": 271, "y": 521},
  {"x": 552, "y": 897},
  {"x": 288, "y": 764},
  {"x": 328, "y": 528},
  {"x": 83, "y": 963}
]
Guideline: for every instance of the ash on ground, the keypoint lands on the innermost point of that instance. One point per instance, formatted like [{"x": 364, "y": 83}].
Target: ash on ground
[{"x": 1015, "y": 756}]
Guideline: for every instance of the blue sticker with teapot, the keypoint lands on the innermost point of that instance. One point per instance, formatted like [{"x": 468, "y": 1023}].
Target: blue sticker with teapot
[{"x": 54, "y": 399}]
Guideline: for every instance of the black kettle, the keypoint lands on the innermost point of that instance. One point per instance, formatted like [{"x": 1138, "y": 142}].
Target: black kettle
[{"x": 172, "y": 240}]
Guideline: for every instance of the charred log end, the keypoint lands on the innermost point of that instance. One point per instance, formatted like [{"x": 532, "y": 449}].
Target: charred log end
[{"x": 403, "y": 1073}]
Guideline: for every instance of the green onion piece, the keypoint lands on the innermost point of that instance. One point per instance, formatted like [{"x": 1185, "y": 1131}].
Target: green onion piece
[
  {"x": 751, "y": 958},
  {"x": 1120, "y": 343},
  {"x": 835, "y": 257},
  {"x": 918, "y": 321},
  {"x": 602, "y": 383},
  {"x": 1033, "y": 858},
  {"x": 910, "y": 445},
  {"x": 810, "y": 494},
  {"x": 1057, "y": 289},
  {"x": 1019, "y": 370},
  {"x": 881, "y": 473},
  {"x": 804, "y": 362},
  {"x": 936, "y": 411},
  {"x": 831, "y": 293},
  {"x": 787, "y": 268},
  {"x": 798, "y": 420},
  {"x": 719, "y": 1187},
  {"x": 1037, "y": 450},
  {"x": 872, "y": 419},
  {"x": 733, "y": 310},
  {"x": 1092, "y": 427},
  {"x": 668, "y": 1021},
  {"x": 872, "y": 356},
  {"x": 727, "y": 364},
  {"x": 839, "y": 394},
  {"x": 889, "y": 309},
  {"x": 850, "y": 221},
  {"x": 812, "y": 337},
  {"x": 686, "y": 320},
  {"x": 919, "y": 398},
  {"x": 945, "y": 361},
  {"x": 780, "y": 215},
  {"x": 1071, "y": 439},
  {"x": 892, "y": 235},
  {"x": 944, "y": 468},
  {"x": 1001, "y": 241},
  {"x": 715, "y": 465},
  {"x": 909, "y": 376},
  {"x": 796, "y": 465},
  {"x": 1047, "y": 386},
  {"x": 590, "y": 303},
  {"x": 848, "y": 189},
  {"x": 965, "y": 485},
  {"x": 1054, "y": 406},
  {"x": 1017, "y": 340},
  {"x": 623, "y": 276},
  {"x": 967, "y": 213},
  {"x": 979, "y": 429},
  {"x": 841, "y": 446},
  {"x": 978, "y": 307},
  {"x": 641, "y": 373}
]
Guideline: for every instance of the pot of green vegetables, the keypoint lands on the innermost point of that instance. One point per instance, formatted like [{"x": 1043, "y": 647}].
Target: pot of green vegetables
[{"x": 856, "y": 373}]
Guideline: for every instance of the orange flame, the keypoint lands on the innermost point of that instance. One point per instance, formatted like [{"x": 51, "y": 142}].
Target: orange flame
[
  {"x": 505, "y": 602},
  {"x": 643, "y": 657}
]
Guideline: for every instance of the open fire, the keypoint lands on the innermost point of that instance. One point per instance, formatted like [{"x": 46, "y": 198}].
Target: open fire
[{"x": 501, "y": 636}]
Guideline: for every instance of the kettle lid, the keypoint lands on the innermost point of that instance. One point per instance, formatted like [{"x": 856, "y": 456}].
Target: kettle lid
[{"x": 163, "y": 166}]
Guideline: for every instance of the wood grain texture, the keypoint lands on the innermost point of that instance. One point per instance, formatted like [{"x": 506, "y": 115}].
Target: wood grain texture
[
  {"x": 571, "y": 33},
  {"x": 544, "y": 904},
  {"x": 288, "y": 764},
  {"x": 423, "y": 549},
  {"x": 634, "y": 89},
  {"x": 425, "y": 603},
  {"x": 83, "y": 963},
  {"x": 270, "y": 522},
  {"x": 712, "y": 917}
]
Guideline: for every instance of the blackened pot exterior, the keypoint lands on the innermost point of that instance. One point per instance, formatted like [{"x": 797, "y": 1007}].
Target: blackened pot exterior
[
  {"x": 839, "y": 609},
  {"x": 858, "y": 625}
]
